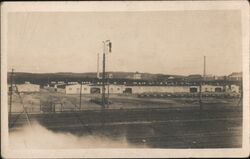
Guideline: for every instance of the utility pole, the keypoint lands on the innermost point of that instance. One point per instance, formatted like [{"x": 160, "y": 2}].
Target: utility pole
[
  {"x": 200, "y": 86},
  {"x": 108, "y": 43},
  {"x": 108, "y": 74},
  {"x": 80, "y": 104},
  {"x": 11, "y": 92},
  {"x": 103, "y": 81},
  {"x": 108, "y": 93}
]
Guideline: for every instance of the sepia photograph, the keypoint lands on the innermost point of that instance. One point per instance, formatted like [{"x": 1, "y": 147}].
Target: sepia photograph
[{"x": 125, "y": 79}]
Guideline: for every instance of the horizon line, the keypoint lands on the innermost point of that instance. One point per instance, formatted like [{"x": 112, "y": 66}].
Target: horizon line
[{"x": 123, "y": 72}]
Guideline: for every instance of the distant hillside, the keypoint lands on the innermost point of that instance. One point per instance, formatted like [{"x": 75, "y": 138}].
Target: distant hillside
[{"x": 42, "y": 78}]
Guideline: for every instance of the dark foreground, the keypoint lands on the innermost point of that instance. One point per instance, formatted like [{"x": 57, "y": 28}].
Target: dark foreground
[{"x": 155, "y": 128}]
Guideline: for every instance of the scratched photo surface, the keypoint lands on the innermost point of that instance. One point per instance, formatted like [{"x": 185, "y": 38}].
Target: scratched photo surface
[{"x": 128, "y": 79}]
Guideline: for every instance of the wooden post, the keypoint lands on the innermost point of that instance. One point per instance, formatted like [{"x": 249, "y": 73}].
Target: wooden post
[
  {"x": 103, "y": 82},
  {"x": 200, "y": 95},
  {"x": 80, "y": 104},
  {"x": 108, "y": 93}
]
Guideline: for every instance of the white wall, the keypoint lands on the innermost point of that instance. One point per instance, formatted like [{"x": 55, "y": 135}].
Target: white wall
[
  {"x": 28, "y": 87},
  {"x": 75, "y": 89},
  {"x": 118, "y": 89},
  {"x": 115, "y": 89},
  {"x": 159, "y": 89},
  {"x": 210, "y": 88}
]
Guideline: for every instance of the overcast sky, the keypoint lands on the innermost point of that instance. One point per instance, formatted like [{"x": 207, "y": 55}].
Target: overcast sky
[{"x": 170, "y": 42}]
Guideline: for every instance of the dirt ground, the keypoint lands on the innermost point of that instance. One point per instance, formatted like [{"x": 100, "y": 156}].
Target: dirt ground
[{"x": 154, "y": 128}]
